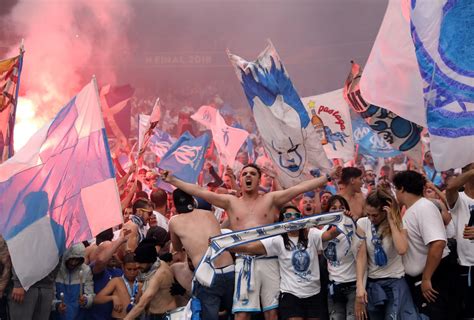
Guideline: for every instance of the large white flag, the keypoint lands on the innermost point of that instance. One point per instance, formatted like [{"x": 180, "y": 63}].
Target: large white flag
[
  {"x": 281, "y": 118},
  {"x": 227, "y": 139},
  {"x": 443, "y": 38},
  {"x": 391, "y": 78},
  {"x": 332, "y": 109}
]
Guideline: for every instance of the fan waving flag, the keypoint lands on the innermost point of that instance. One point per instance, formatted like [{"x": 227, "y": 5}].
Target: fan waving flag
[
  {"x": 227, "y": 139},
  {"x": 281, "y": 118},
  {"x": 10, "y": 70},
  {"x": 54, "y": 190},
  {"x": 185, "y": 158},
  {"x": 443, "y": 36},
  {"x": 402, "y": 134},
  {"x": 333, "y": 111}
]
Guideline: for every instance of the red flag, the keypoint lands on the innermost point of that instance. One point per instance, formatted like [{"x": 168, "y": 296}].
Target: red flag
[{"x": 10, "y": 70}]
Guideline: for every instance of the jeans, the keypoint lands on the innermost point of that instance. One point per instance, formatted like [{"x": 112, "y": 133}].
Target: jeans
[
  {"x": 341, "y": 302},
  {"x": 220, "y": 294}
]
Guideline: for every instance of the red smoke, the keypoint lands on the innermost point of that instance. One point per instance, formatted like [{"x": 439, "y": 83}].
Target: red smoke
[{"x": 66, "y": 43}]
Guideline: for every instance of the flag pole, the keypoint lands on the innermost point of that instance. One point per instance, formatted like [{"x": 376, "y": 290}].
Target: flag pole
[{"x": 17, "y": 89}]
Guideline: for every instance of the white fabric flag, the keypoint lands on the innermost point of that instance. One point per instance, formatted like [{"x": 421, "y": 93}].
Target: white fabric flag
[
  {"x": 227, "y": 139},
  {"x": 333, "y": 110},
  {"x": 391, "y": 77},
  {"x": 281, "y": 118}
]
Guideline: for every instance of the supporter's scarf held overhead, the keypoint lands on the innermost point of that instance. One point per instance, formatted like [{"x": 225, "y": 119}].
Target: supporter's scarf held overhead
[
  {"x": 281, "y": 118},
  {"x": 443, "y": 36},
  {"x": 218, "y": 244},
  {"x": 54, "y": 190},
  {"x": 10, "y": 70},
  {"x": 400, "y": 133}
]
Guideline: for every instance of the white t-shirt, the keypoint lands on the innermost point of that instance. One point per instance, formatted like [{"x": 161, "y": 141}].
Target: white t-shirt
[
  {"x": 461, "y": 213},
  {"x": 394, "y": 267},
  {"x": 424, "y": 225},
  {"x": 341, "y": 258},
  {"x": 299, "y": 269}
]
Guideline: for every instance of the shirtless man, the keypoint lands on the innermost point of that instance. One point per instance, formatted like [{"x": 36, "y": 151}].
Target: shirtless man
[
  {"x": 136, "y": 226},
  {"x": 351, "y": 179},
  {"x": 122, "y": 291},
  {"x": 192, "y": 229},
  {"x": 249, "y": 211},
  {"x": 157, "y": 279}
]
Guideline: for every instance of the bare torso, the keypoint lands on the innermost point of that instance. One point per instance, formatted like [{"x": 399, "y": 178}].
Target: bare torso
[
  {"x": 163, "y": 301},
  {"x": 122, "y": 293},
  {"x": 194, "y": 230},
  {"x": 250, "y": 212},
  {"x": 356, "y": 203}
]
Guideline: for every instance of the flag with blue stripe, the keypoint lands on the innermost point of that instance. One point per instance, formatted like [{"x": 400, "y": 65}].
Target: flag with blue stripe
[
  {"x": 54, "y": 190},
  {"x": 442, "y": 32}
]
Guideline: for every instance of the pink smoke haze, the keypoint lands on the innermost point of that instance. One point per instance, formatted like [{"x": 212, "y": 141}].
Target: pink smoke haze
[{"x": 64, "y": 42}]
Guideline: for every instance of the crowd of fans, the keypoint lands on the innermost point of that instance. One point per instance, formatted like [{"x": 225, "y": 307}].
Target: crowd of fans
[{"x": 409, "y": 255}]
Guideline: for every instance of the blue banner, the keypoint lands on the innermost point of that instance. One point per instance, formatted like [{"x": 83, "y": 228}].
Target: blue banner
[{"x": 185, "y": 158}]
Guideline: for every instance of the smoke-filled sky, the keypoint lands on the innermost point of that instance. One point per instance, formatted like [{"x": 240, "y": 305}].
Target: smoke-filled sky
[{"x": 158, "y": 44}]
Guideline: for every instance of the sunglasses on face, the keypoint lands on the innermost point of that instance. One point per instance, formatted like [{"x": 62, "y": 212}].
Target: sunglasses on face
[
  {"x": 147, "y": 211},
  {"x": 288, "y": 215}
]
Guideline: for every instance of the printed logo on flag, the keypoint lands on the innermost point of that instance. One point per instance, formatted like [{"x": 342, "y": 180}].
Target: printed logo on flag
[{"x": 187, "y": 154}]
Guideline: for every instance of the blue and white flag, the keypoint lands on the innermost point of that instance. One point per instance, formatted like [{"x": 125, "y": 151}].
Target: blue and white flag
[
  {"x": 54, "y": 190},
  {"x": 281, "y": 118},
  {"x": 370, "y": 143},
  {"x": 227, "y": 139},
  {"x": 185, "y": 158},
  {"x": 159, "y": 142},
  {"x": 442, "y": 32},
  {"x": 401, "y": 134}
]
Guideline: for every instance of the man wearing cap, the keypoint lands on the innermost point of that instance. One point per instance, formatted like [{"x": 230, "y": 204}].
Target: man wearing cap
[
  {"x": 157, "y": 280},
  {"x": 191, "y": 229}
]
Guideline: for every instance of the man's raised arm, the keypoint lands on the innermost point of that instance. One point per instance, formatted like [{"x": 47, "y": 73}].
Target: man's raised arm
[
  {"x": 218, "y": 200},
  {"x": 283, "y": 196},
  {"x": 453, "y": 187}
]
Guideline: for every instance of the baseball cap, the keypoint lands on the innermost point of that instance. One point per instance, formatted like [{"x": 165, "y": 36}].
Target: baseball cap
[{"x": 182, "y": 201}]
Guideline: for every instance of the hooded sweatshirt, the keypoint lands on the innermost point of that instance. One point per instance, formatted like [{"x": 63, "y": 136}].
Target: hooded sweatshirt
[{"x": 68, "y": 282}]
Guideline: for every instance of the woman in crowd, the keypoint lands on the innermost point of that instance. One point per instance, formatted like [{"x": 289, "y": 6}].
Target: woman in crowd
[
  {"x": 342, "y": 269},
  {"x": 297, "y": 253},
  {"x": 384, "y": 293}
]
